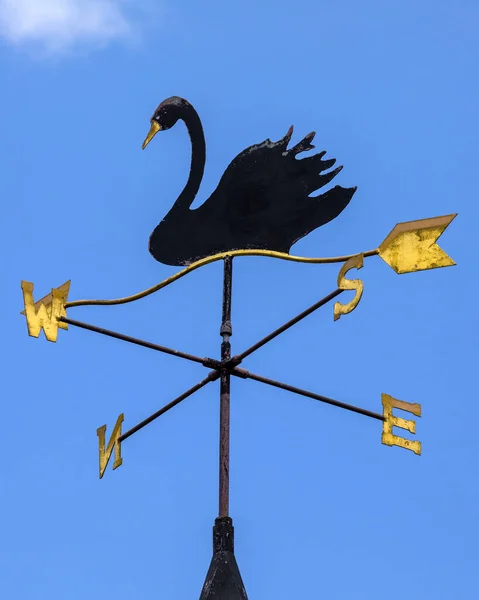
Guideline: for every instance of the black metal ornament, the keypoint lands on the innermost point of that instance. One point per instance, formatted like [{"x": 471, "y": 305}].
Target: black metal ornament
[{"x": 262, "y": 201}]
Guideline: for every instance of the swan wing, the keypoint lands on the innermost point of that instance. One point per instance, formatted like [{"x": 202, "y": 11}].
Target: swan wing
[{"x": 267, "y": 177}]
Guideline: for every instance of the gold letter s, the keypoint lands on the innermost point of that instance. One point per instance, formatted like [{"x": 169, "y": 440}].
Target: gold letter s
[{"x": 349, "y": 284}]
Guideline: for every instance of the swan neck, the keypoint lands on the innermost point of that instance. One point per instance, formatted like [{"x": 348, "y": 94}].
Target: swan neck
[{"x": 198, "y": 157}]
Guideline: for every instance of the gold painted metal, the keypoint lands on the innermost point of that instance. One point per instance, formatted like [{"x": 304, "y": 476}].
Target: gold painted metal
[
  {"x": 114, "y": 442},
  {"x": 390, "y": 421},
  {"x": 154, "y": 129},
  {"x": 211, "y": 259},
  {"x": 44, "y": 313},
  {"x": 355, "y": 262},
  {"x": 411, "y": 246}
]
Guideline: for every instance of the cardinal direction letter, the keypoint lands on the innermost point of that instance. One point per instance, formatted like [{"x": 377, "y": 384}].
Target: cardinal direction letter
[
  {"x": 355, "y": 262},
  {"x": 114, "y": 442},
  {"x": 391, "y": 421},
  {"x": 45, "y": 313}
]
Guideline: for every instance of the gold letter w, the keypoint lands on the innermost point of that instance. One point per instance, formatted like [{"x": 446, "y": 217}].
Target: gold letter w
[{"x": 44, "y": 314}]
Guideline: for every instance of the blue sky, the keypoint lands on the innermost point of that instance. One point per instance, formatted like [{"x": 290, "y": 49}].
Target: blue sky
[{"x": 321, "y": 508}]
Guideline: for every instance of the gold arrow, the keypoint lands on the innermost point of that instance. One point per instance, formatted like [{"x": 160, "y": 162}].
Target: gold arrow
[{"x": 411, "y": 246}]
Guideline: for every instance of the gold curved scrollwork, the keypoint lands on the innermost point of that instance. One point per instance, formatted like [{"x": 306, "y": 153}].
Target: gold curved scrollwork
[{"x": 210, "y": 259}]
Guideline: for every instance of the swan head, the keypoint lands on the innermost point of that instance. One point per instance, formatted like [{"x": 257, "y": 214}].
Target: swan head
[{"x": 165, "y": 117}]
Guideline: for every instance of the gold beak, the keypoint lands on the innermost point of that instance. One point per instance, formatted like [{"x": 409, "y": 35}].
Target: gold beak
[{"x": 154, "y": 129}]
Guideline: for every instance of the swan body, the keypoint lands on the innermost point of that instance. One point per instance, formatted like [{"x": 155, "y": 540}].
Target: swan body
[{"x": 262, "y": 201}]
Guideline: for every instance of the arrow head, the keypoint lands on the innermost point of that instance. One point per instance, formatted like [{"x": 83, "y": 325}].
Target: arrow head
[{"x": 411, "y": 246}]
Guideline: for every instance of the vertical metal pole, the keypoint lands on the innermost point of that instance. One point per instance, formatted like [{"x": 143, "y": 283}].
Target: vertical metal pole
[{"x": 226, "y": 333}]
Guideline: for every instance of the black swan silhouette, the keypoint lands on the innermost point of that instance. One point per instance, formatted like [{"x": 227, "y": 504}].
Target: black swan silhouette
[{"x": 262, "y": 200}]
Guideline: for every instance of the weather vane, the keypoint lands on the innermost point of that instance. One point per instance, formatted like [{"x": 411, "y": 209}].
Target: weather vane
[{"x": 261, "y": 207}]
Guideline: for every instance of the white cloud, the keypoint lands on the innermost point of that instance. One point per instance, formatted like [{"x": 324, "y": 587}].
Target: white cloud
[{"x": 61, "y": 24}]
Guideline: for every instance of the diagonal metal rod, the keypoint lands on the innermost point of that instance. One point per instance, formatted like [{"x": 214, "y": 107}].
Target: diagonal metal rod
[
  {"x": 244, "y": 374},
  {"x": 207, "y": 362},
  {"x": 235, "y": 360},
  {"x": 211, "y": 377},
  {"x": 211, "y": 363}
]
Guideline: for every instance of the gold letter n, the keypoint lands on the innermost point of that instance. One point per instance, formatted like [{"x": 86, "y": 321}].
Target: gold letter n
[{"x": 113, "y": 442}]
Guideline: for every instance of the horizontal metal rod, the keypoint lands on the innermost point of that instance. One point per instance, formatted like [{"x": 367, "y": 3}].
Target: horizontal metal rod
[
  {"x": 244, "y": 374},
  {"x": 206, "y": 362},
  {"x": 235, "y": 360},
  {"x": 211, "y": 377}
]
